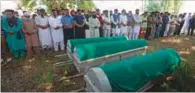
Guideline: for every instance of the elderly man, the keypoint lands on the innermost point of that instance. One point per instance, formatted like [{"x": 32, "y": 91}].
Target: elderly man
[
  {"x": 44, "y": 33},
  {"x": 106, "y": 24},
  {"x": 115, "y": 23},
  {"x": 136, "y": 27},
  {"x": 56, "y": 31},
  {"x": 30, "y": 31},
  {"x": 14, "y": 35},
  {"x": 94, "y": 25},
  {"x": 123, "y": 22}
]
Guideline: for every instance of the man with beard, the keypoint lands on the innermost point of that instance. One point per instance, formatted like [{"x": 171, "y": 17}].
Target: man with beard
[
  {"x": 94, "y": 25},
  {"x": 56, "y": 31},
  {"x": 106, "y": 24},
  {"x": 30, "y": 31},
  {"x": 136, "y": 27},
  {"x": 115, "y": 23},
  {"x": 123, "y": 22},
  {"x": 44, "y": 33},
  {"x": 99, "y": 16},
  {"x": 12, "y": 27}
]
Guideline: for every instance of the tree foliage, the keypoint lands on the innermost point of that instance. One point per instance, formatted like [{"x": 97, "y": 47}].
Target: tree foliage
[
  {"x": 70, "y": 4},
  {"x": 172, "y": 6},
  {"x": 27, "y": 4},
  {"x": 57, "y": 4}
]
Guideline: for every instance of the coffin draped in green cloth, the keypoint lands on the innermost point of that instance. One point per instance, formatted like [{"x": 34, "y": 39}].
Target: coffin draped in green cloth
[
  {"x": 75, "y": 42},
  {"x": 94, "y": 50},
  {"x": 132, "y": 74}
]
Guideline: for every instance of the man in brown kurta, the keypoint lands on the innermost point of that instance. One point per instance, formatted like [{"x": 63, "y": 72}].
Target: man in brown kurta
[{"x": 30, "y": 31}]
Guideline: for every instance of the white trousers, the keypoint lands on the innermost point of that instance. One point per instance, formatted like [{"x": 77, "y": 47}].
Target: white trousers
[
  {"x": 45, "y": 38},
  {"x": 124, "y": 31},
  {"x": 87, "y": 33},
  {"x": 58, "y": 38},
  {"x": 136, "y": 30},
  {"x": 115, "y": 31},
  {"x": 94, "y": 32},
  {"x": 106, "y": 32}
]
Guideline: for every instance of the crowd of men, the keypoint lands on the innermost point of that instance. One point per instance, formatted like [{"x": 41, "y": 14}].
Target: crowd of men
[{"x": 42, "y": 32}]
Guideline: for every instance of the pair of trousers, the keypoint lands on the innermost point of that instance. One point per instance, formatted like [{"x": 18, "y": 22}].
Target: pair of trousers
[
  {"x": 68, "y": 34},
  {"x": 191, "y": 31},
  {"x": 130, "y": 32},
  {"x": 148, "y": 32},
  {"x": 163, "y": 30},
  {"x": 79, "y": 32},
  {"x": 56, "y": 46},
  {"x": 106, "y": 32},
  {"x": 101, "y": 32},
  {"x": 158, "y": 30}
]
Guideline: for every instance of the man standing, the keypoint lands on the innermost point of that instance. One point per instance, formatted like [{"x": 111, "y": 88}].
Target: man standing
[
  {"x": 94, "y": 25},
  {"x": 123, "y": 22},
  {"x": 165, "y": 20},
  {"x": 130, "y": 24},
  {"x": 30, "y": 31},
  {"x": 44, "y": 33},
  {"x": 192, "y": 26},
  {"x": 12, "y": 27},
  {"x": 136, "y": 27},
  {"x": 56, "y": 31},
  {"x": 106, "y": 24},
  {"x": 67, "y": 21},
  {"x": 143, "y": 25},
  {"x": 99, "y": 16},
  {"x": 79, "y": 21},
  {"x": 115, "y": 23},
  {"x": 186, "y": 23}
]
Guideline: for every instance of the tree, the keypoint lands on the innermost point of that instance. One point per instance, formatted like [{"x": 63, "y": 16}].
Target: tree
[
  {"x": 27, "y": 5},
  {"x": 153, "y": 5},
  {"x": 171, "y": 6},
  {"x": 71, "y": 4}
]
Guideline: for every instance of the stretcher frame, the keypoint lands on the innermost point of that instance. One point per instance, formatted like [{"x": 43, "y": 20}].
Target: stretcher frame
[
  {"x": 83, "y": 66},
  {"x": 100, "y": 83}
]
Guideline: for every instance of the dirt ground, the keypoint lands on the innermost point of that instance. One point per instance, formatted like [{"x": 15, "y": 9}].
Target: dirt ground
[{"x": 44, "y": 74}]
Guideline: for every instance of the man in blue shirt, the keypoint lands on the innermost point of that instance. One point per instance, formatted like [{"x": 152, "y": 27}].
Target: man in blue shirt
[
  {"x": 79, "y": 21},
  {"x": 67, "y": 22}
]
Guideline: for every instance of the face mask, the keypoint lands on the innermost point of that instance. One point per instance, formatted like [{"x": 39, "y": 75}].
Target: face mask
[
  {"x": 82, "y": 13},
  {"x": 94, "y": 16}
]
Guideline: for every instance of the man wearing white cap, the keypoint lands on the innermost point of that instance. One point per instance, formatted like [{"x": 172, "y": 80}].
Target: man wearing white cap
[
  {"x": 44, "y": 33},
  {"x": 30, "y": 31}
]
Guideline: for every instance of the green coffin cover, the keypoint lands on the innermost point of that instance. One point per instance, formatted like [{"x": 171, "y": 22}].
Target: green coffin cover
[
  {"x": 94, "y": 50},
  {"x": 132, "y": 74},
  {"x": 75, "y": 42}
]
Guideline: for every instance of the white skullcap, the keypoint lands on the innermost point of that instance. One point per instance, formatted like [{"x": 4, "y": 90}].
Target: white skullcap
[{"x": 26, "y": 14}]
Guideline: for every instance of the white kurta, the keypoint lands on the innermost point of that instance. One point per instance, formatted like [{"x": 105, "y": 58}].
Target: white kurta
[
  {"x": 136, "y": 28},
  {"x": 124, "y": 29},
  {"x": 94, "y": 32},
  {"x": 106, "y": 27},
  {"x": 186, "y": 25},
  {"x": 44, "y": 34},
  {"x": 116, "y": 30},
  {"x": 57, "y": 34}
]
